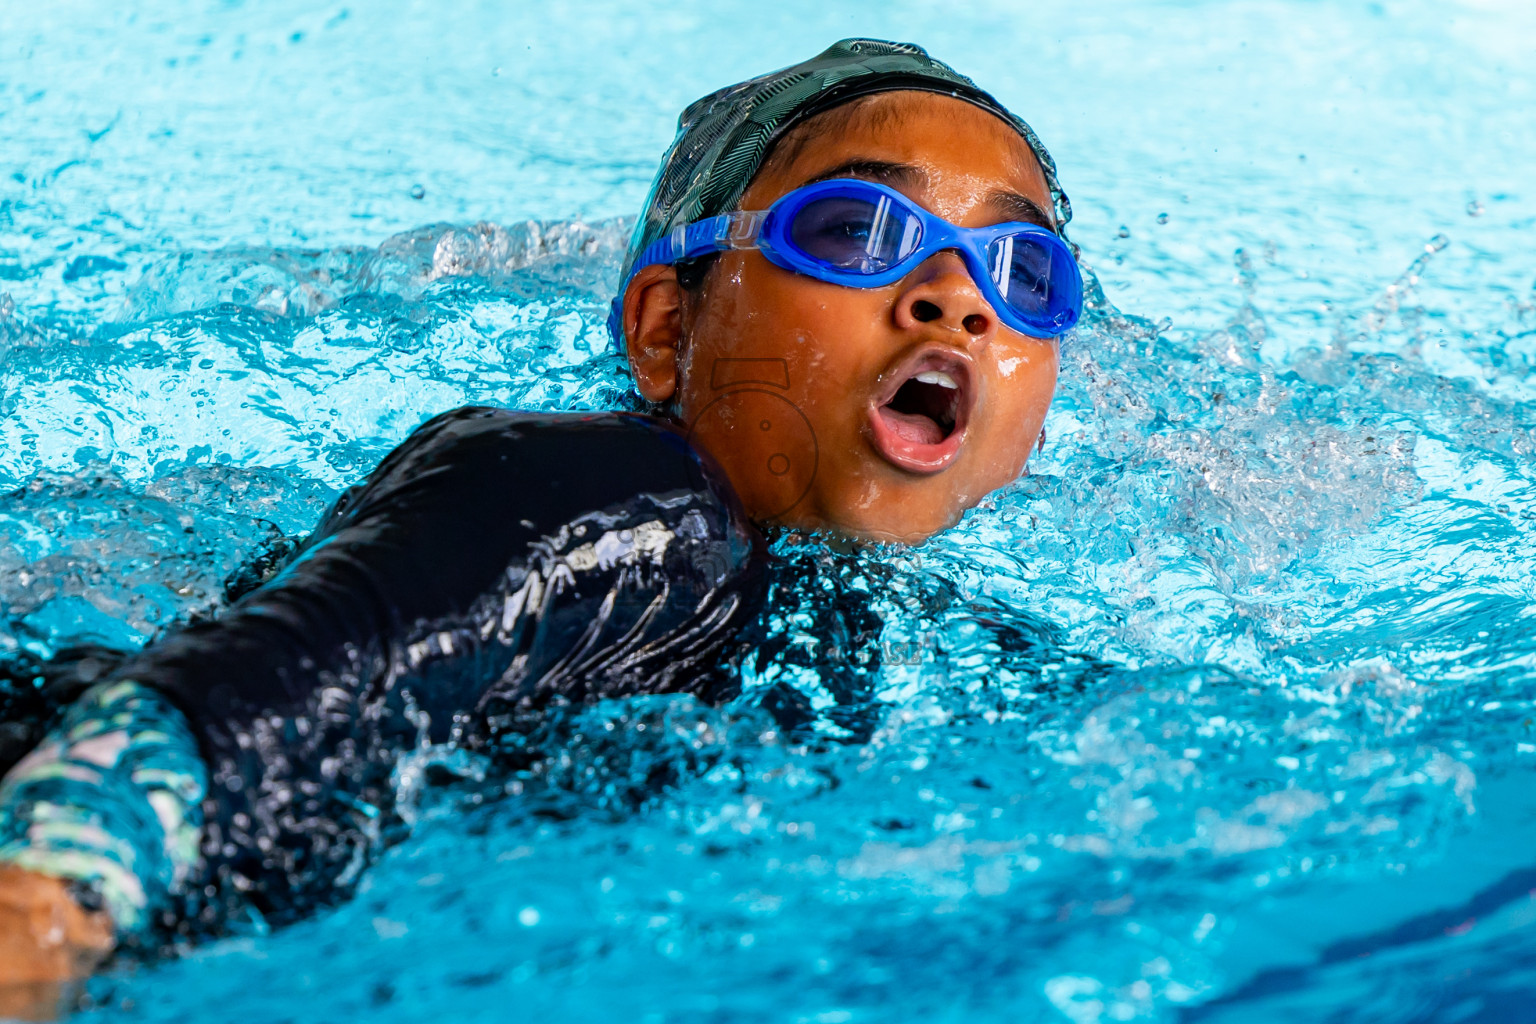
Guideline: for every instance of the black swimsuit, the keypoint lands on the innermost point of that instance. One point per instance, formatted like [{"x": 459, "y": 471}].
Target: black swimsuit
[{"x": 494, "y": 562}]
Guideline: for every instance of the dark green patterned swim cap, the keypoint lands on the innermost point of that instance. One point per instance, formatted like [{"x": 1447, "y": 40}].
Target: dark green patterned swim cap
[{"x": 723, "y": 138}]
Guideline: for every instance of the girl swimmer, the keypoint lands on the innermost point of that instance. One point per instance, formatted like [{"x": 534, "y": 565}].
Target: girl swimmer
[{"x": 841, "y": 307}]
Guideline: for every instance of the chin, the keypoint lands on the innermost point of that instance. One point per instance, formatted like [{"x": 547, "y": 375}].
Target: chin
[{"x": 898, "y": 528}]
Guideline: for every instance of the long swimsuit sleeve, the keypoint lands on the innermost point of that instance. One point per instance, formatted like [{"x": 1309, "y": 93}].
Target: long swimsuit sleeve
[{"x": 495, "y": 562}]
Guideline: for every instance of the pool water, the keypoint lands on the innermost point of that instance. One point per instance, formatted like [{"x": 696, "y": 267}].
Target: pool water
[{"x": 1223, "y": 713}]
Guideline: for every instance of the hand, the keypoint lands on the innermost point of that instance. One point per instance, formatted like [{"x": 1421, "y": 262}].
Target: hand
[{"x": 48, "y": 944}]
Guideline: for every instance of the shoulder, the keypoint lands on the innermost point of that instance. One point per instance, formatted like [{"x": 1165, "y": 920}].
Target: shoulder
[
  {"x": 499, "y": 465},
  {"x": 614, "y": 449}
]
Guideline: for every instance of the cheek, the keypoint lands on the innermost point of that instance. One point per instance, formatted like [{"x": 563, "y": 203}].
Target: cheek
[
  {"x": 775, "y": 378},
  {"x": 1032, "y": 365},
  {"x": 1024, "y": 385},
  {"x": 810, "y": 336},
  {"x": 1026, "y": 380}
]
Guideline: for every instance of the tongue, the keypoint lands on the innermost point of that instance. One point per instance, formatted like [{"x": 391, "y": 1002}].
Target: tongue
[{"x": 911, "y": 426}]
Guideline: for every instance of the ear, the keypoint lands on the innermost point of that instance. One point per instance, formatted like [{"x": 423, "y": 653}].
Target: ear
[{"x": 653, "y": 330}]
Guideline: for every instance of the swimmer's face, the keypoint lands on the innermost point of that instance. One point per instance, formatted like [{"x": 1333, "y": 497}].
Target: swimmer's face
[{"x": 808, "y": 393}]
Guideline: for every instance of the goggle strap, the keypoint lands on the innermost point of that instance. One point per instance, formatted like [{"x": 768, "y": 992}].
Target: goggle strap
[
  {"x": 742, "y": 229},
  {"x": 737, "y": 230},
  {"x": 713, "y": 234},
  {"x": 716, "y": 234}
]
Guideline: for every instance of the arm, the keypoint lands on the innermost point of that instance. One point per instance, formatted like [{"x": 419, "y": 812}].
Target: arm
[
  {"x": 494, "y": 561},
  {"x": 97, "y": 826}
]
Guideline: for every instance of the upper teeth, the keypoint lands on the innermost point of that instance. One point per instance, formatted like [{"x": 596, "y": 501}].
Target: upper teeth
[{"x": 943, "y": 380}]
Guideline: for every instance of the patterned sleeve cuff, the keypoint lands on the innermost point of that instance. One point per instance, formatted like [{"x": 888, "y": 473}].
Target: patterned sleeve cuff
[{"x": 111, "y": 800}]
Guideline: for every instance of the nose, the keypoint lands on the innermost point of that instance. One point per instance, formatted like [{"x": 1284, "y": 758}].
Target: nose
[{"x": 940, "y": 293}]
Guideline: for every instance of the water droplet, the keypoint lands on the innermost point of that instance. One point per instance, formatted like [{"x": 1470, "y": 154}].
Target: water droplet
[
  {"x": 1124, "y": 232},
  {"x": 418, "y": 192},
  {"x": 1162, "y": 218}
]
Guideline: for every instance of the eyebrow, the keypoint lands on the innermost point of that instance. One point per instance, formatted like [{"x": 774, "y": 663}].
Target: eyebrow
[
  {"x": 1021, "y": 208},
  {"x": 1015, "y": 206},
  {"x": 883, "y": 171}
]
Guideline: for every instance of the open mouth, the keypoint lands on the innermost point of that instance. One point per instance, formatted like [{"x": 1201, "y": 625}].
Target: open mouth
[{"x": 918, "y": 423}]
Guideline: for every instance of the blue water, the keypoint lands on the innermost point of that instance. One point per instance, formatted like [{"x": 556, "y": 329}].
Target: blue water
[{"x": 1240, "y": 674}]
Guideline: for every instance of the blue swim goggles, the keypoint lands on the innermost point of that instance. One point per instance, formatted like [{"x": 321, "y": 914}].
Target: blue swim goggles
[{"x": 864, "y": 235}]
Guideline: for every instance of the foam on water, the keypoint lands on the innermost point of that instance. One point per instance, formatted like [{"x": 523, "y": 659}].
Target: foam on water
[{"x": 1240, "y": 673}]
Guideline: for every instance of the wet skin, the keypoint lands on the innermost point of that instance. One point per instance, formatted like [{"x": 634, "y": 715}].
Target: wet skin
[
  {"x": 872, "y": 456},
  {"x": 46, "y": 942}
]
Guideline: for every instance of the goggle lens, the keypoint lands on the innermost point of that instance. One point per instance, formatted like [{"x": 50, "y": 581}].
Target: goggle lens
[
  {"x": 854, "y": 234},
  {"x": 1025, "y": 272}
]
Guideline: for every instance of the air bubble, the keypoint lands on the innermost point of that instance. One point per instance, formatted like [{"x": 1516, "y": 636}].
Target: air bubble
[
  {"x": 1162, "y": 218},
  {"x": 418, "y": 192},
  {"x": 1124, "y": 232}
]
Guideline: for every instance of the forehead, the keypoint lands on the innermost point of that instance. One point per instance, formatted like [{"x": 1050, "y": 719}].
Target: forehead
[{"x": 963, "y": 150}]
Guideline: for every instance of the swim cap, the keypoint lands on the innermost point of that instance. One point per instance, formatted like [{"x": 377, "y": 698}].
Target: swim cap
[{"x": 723, "y": 138}]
